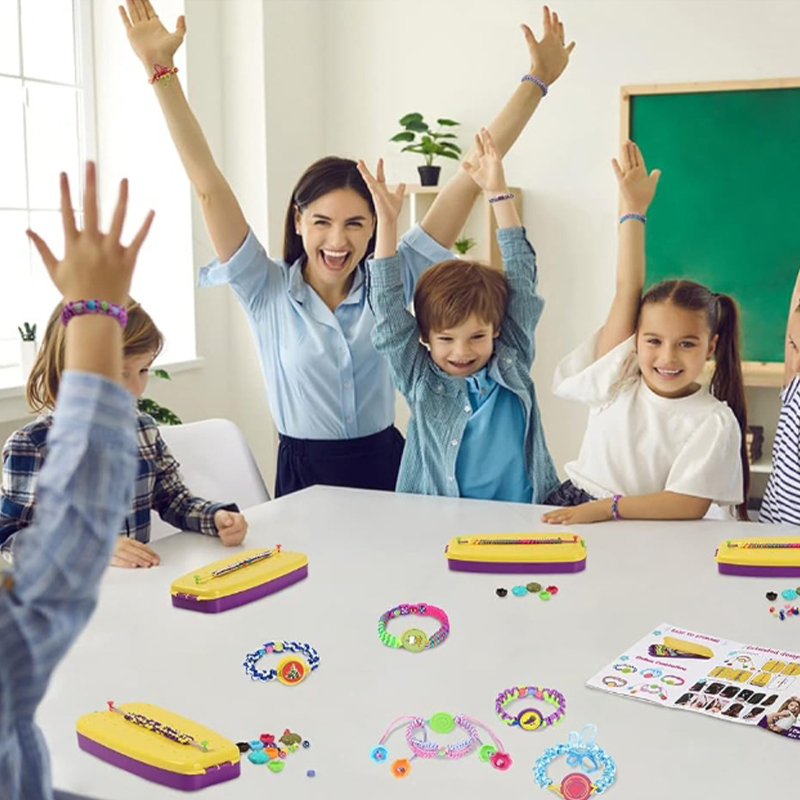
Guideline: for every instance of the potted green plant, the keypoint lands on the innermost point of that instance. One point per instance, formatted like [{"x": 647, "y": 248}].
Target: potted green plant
[
  {"x": 432, "y": 144},
  {"x": 463, "y": 245},
  {"x": 27, "y": 347},
  {"x": 161, "y": 414}
]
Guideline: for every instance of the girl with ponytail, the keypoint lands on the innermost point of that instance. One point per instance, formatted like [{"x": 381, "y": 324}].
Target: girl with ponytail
[{"x": 659, "y": 443}]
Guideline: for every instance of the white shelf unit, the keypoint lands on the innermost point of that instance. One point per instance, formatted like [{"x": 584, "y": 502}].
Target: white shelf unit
[{"x": 480, "y": 224}]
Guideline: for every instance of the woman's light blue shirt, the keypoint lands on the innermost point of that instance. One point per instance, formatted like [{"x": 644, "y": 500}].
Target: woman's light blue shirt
[{"x": 323, "y": 376}]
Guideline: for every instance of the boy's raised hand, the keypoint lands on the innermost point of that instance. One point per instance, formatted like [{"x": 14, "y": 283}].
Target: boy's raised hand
[
  {"x": 95, "y": 265},
  {"x": 387, "y": 204},
  {"x": 486, "y": 167},
  {"x": 636, "y": 187},
  {"x": 550, "y": 54},
  {"x": 148, "y": 37}
]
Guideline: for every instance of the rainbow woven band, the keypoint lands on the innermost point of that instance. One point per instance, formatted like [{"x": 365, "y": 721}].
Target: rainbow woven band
[
  {"x": 77, "y": 308},
  {"x": 538, "y": 81},
  {"x": 290, "y": 670},
  {"x": 641, "y": 217},
  {"x": 414, "y": 639},
  {"x": 615, "y": 515},
  {"x": 583, "y": 753},
  {"x": 529, "y": 719}
]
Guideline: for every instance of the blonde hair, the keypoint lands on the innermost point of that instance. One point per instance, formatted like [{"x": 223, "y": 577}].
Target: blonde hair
[{"x": 140, "y": 337}]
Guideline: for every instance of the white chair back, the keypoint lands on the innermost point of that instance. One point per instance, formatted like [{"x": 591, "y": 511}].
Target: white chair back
[{"x": 216, "y": 464}]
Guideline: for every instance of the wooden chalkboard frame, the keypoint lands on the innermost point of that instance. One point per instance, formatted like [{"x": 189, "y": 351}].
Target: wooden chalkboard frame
[{"x": 756, "y": 373}]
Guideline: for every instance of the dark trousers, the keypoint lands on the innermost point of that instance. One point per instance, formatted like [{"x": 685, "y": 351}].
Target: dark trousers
[
  {"x": 369, "y": 462},
  {"x": 568, "y": 494},
  {"x": 68, "y": 796}
]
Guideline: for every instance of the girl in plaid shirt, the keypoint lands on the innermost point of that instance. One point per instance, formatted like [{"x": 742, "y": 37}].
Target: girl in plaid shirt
[{"x": 158, "y": 482}]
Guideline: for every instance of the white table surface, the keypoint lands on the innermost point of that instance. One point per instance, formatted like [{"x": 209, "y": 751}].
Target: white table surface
[{"x": 369, "y": 551}]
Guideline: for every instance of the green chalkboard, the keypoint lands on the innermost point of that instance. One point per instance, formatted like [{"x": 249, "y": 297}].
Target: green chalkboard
[{"x": 727, "y": 210}]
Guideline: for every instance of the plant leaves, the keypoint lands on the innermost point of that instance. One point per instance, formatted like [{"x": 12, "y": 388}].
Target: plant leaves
[
  {"x": 161, "y": 373},
  {"x": 447, "y": 122},
  {"x": 403, "y": 136},
  {"x": 448, "y": 154},
  {"x": 414, "y": 117},
  {"x": 418, "y": 126},
  {"x": 412, "y": 148}
]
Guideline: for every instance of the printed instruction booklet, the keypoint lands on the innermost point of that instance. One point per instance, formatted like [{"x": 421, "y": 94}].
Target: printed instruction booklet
[{"x": 684, "y": 669}]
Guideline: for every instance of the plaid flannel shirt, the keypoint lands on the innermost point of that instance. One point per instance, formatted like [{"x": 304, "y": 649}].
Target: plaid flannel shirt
[{"x": 158, "y": 484}]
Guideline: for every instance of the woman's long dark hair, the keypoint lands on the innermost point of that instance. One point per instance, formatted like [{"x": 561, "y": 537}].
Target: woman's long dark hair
[
  {"x": 323, "y": 176},
  {"x": 727, "y": 382}
]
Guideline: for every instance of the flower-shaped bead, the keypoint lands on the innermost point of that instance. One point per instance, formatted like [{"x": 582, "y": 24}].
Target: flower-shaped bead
[
  {"x": 401, "y": 768},
  {"x": 379, "y": 754},
  {"x": 501, "y": 761}
]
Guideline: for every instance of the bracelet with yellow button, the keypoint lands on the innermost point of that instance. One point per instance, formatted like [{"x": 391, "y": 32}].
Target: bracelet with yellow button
[
  {"x": 414, "y": 639},
  {"x": 529, "y": 719},
  {"x": 291, "y": 669}
]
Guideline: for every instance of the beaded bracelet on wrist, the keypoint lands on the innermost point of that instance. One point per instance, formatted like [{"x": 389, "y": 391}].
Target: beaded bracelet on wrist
[
  {"x": 290, "y": 670},
  {"x": 77, "y": 308}
]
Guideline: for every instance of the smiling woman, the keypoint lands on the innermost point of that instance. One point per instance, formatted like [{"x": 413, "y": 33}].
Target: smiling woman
[{"x": 329, "y": 391}]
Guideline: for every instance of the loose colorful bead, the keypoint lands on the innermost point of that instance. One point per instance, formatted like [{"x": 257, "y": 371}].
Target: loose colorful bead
[{"x": 501, "y": 592}]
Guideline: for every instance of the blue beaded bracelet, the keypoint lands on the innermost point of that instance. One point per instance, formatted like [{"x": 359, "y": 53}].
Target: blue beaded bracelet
[
  {"x": 290, "y": 669},
  {"x": 583, "y": 753},
  {"x": 538, "y": 81},
  {"x": 641, "y": 217}
]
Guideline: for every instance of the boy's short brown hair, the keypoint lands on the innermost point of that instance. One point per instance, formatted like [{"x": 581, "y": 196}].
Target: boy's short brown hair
[{"x": 451, "y": 291}]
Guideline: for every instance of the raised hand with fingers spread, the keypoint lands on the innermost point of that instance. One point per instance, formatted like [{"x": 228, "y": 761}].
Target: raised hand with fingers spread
[
  {"x": 150, "y": 40},
  {"x": 95, "y": 264},
  {"x": 387, "y": 208},
  {"x": 550, "y": 54},
  {"x": 636, "y": 187}
]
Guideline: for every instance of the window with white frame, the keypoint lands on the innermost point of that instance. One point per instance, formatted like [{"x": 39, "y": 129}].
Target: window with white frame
[
  {"x": 66, "y": 71},
  {"x": 45, "y": 119}
]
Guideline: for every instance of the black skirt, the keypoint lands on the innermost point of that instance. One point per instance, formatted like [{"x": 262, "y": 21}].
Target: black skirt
[{"x": 370, "y": 462}]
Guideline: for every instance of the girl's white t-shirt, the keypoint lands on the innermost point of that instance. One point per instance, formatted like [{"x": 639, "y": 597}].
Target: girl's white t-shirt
[{"x": 638, "y": 442}]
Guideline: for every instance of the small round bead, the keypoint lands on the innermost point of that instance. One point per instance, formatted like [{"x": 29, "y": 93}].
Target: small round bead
[
  {"x": 501, "y": 592},
  {"x": 534, "y": 587},
  {"x": 310, "y": 773}
]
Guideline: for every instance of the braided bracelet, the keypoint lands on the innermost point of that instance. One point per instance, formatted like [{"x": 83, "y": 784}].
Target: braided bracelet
[
  {"x": 584, "y": 753},
  {"x": 649, "y": 688},
  {"x": 414, "y": 639},
  {"x": 529, "y": 719},
  {"x": 421, "y": 747},
  {"x": 290, "y": 669}
]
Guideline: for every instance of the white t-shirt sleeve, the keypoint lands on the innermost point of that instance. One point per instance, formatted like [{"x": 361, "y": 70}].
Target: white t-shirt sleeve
[
  {"x": 579, "y": 376},
  {"x": 710, "y": 464}
]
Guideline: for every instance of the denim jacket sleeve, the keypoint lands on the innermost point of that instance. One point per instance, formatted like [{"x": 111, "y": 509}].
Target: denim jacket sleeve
[
  {"x": 525, "y": 305},
  {"x": 395, "y": 335}
]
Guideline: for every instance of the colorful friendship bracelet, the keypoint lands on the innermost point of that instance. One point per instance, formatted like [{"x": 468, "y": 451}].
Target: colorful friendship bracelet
[
  {"x": 583, "y": 753},
  {"x": 290, "y": 670},
  {"x": 77, "y": 308},
  {"x": 538, "y": 81},
  {"x": 162, "y": 73},
  {"x": 421, "y": 747},
  {"x": 160, "y": 728},
  {"x": 245, "y": 562},
  {"x": 529, "y": 719},
  {"x": 614, "y": 682},
  {"x": 615, "y": 515},
  {"x": 498, "y": 197},
  {"x": 414, "y": 639},
  {"x": 641, "y": 217},
  {"x": 649, "y": 688}
]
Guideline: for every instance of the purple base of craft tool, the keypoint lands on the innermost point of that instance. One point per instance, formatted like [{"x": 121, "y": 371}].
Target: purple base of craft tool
[
  {"x": 786, "y": 571},
  {"x": 181, "y": 600},
  {"x": 175, "y": 780},
  {"x": 510, "y": 567}
]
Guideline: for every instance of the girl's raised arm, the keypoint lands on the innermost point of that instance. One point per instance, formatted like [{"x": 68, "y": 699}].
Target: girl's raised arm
[
  {"x": 636, "y": 191},
  {"x": 155, "y": 46},
  {"x": 791, "y": 357},
  {"x": 549, "y": 58}
]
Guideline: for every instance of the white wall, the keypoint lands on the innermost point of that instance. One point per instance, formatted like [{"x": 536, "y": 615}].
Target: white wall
[
  {"x": 469, "y": 55},
  {"x": 279, "y": 83}
]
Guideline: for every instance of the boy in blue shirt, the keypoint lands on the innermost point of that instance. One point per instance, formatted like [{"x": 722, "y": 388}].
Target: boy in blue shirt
[
  {"x": 463, "y": 364},
  {"x": 84, "y": 489}
]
